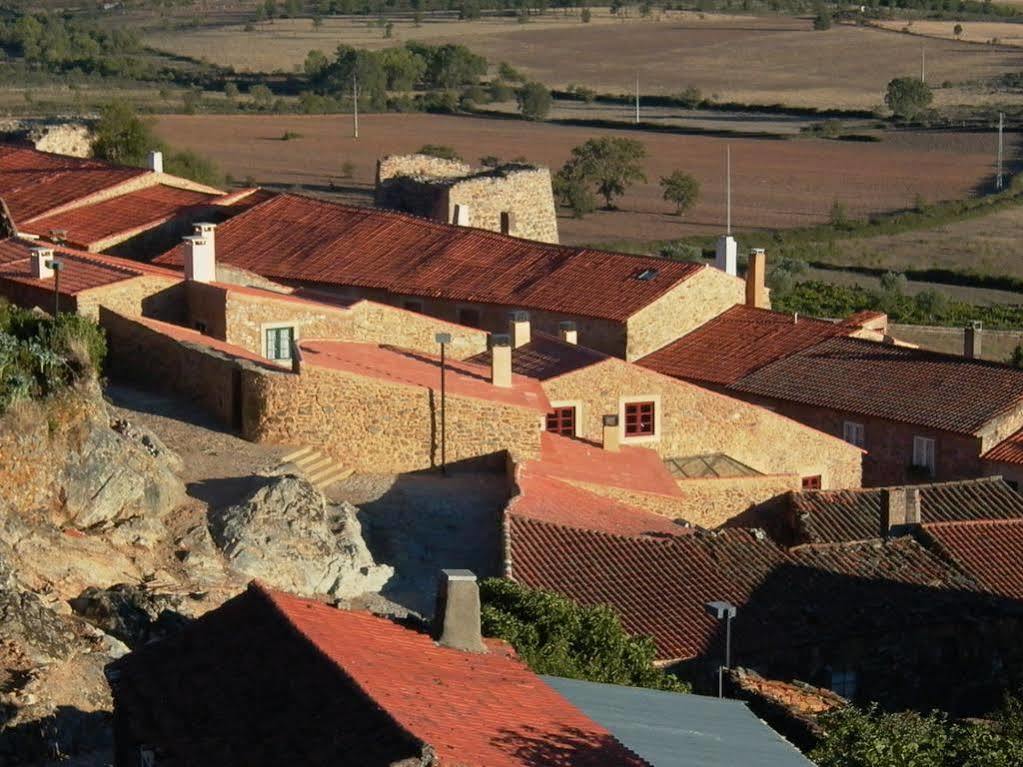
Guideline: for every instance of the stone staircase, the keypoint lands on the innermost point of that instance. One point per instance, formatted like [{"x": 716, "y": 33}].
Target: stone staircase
[{"x": 320, "y": 469}]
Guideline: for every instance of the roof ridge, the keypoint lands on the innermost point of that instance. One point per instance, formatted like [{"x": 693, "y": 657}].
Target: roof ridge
[{"x": 973, "y": 522}]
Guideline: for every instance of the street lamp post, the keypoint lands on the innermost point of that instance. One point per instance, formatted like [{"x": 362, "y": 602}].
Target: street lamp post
[
  {"x": 443, "y": 339},
  {"x": 56, "y": 265},
  {"x": 723, "y": 611}
]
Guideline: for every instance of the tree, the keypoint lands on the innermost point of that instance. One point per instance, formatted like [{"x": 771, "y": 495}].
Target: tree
[
  {"x": 585, "y": 16},
  {"x": 440, "y": 150},
  {"x": 230, "y": 91},
  {"x": 681, "y": 189},
  {"x": 191, "y": 165},
  {"x": 262, "y": 96},
  {"x": 573, "y": 193},
  {"x": 534, "y": 101},
  {"x": 610, "y": 164},
  {"x": 510, "y": 74},
  {"x": 957, "y": 31},
  {"x": 121, "y": 136},
  {"x": 1016, "y": 359},
  {"x": 556, "y": 636},
  {"x": 403, "y": 68},
  {"x": 822, "y": 20},
  {"x": 315, "y": 62},
  {"x": 908, "y": 96},
  {"x": 838, "y": 216}
]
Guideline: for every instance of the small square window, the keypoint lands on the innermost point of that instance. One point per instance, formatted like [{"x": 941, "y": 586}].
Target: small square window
[
  {"x": 561, "y": 421},
  {"x": 924, "y": 453},
  {"x": 812, "y": 483},
  {"x": 639, "y": 419},
  {"x": 853, "y": 433},
  {"x": 278, "y": 343}
]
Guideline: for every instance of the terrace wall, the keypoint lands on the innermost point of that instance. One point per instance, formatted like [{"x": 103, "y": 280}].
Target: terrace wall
[
  {"x": 150, "y": 295},
  {"x": 695, "y": 421}
]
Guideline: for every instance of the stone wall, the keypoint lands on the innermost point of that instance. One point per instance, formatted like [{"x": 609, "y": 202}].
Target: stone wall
[
  {"x": 996, "y": 345},
  {"x": 378, "y": 323},
  {"x": 150, "y": 295},
  {"x": 433, "y": 187},
  {"x": 67, "y": 138},
  {"x": 702, "y": 297},
  {"x": 374, "y": 425},
  {"x": 695, "y": 421}
]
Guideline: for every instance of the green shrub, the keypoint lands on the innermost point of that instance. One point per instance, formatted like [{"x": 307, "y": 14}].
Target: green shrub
[{"x": 439, "y": 150}]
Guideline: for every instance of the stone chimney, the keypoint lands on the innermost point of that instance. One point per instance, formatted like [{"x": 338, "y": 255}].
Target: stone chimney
[
  {"x": 507, "y": 222},
  {"x": 611, "y": 433},
  {"x": 156, "y": 161},
  {"x": 726, "y": 255},
  {"x": 501, "y": 361},
  {"x": 756, "y": 271},
  {"x": 901, "y": 509},
  {"x": 972, "y": 334},
  {"x": 462, "y": 215},
  {"x": 456, "y": 618},
  {"x": 42, "y": 263},
  {"x": 518, "y": 328},
  {"x": 568, "y": 333},
  {"x": 200, "y": 263}
]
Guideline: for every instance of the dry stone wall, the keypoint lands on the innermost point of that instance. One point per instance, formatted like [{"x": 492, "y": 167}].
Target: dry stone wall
[
  {"x": 696, "y": 421},
  {"x": 150, "y": 295}
]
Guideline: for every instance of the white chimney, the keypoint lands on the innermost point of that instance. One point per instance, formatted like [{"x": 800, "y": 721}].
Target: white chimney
[
  {"x": 156, "y": 161},
  {"x": 518, "y": 328},
  {"x": 568, "y": 333},
  {"x": 610, "y": 441},
  {"x": 462, "y": 216},
  {"x": 456, "y": 617},
  {"x": 501, "y": 361},
  {"x": 726, "y": 255},
  {"x": 42, "y": 263},
  {"x": 200, "y": 264},
  {"x": 208, "y": 232}
]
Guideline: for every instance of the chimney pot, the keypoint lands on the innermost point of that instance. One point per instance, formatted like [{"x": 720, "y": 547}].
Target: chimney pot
[
  {"x": 518, "y": 328},
  {"x": 726, "y": 255},
  {"x": 462, "y": 215},
  {"x": 901, "y": 508},
  {"x": 501, "y": 361},
  {"x": 156, "y": 161},
  {"x": 972, "y": 340},
  {"x": 42, "y": 263},
  {"x": 611, "y": 433},
  {"x": 568, "y": 332},
  {"x": 457, "y": 615},
  {"x": 756, "y": 289}
]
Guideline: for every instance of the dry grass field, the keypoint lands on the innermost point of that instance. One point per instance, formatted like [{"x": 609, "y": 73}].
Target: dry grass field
[
  {"x": 775, "y": 183},
  {"x": 975, "y": 32},
  {"x": 751, "y": 60}
]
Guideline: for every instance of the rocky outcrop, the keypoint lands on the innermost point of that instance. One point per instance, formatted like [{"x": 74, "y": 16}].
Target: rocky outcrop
[
  {"x": 58, "y": 136},
  {"x": 131, "y": 613},
  {"x": 288, "y": 536}
]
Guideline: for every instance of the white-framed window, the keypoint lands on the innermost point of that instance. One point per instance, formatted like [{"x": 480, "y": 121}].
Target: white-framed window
[
  {"x": 844, "y": 683},
  {"x": 923, "y": 453},
  {"x": 278, "y": 342},
  {"x": 852, "y": 433}
]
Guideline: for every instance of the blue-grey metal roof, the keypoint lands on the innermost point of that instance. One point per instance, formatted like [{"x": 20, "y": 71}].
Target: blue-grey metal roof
[{"x": 674, "y": 730}]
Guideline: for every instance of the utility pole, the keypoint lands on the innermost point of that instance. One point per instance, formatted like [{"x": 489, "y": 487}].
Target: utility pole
[
  {"x": 923, "y": 65},
  {"x": 637, "y": 99},
  {"x": 355, "y": 103},
  {"x": 728, "y": 189},
  {"x": 998, "y": 176}
]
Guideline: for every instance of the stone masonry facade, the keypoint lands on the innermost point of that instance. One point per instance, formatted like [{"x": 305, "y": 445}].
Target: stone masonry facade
[
  {"x": 514, "y": 199},
  {"x": 692, "y": 421}
]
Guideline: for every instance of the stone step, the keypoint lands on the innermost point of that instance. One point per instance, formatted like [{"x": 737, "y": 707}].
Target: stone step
[
  {"x": 319, "y": 463},
  {"x": 330, "y": 475},
  {"x": 296, "y": 455}
]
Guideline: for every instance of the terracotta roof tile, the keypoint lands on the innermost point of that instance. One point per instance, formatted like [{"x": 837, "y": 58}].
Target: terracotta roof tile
[
  {"x": 938, "y": 391},
  {"x": 855, "y": 515},
  {"x": 786, "y": 598},
  {"x": 419, "y": 369},
  {"x": 1009, "y": 450},
  {"x": 143, "y": 208},
  {"x": 989, "y": 551},
  {"x": 546, "y": 357},
  {"x": 298, "y": 238},
  {"x": 737, "y": 342},
  {"x": 33, "y": 183},
  {"x": 276, "y": 679}
]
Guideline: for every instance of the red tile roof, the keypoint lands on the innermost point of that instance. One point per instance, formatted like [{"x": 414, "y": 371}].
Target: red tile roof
[
  {"x": 938, "y": 391},
  {"x": 32, "y": 183},
  {"x": 419, "y": 369},
  {"x": 737, "y": 342},
  {"x": 142, "y": 209},
  {"x": 1009, "y": 450},
  {"x": 81, "y": 271},
  {"x": 855, "y": 515},
  {"x": 631, "y": 468},
  {"x": 989, "y": 551},
  {"x": 276, "y": 679},
  {"x": 546, "y": 357},
  {"x": 298, "y": 238},
  {"x": 786, "y": 598}
]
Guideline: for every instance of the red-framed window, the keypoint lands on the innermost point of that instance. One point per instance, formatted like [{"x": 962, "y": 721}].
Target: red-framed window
[
  {"x": 561, "y": 420},
  {"x": 812, "y": 483},
  {"x": 640, "y": 418}
]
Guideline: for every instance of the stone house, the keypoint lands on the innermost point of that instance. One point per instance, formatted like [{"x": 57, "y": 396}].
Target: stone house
[
  {"x": 921, "y": 416},
  {"x": 624, "y": 305},
  {"x": 514, "y": 199},
  {"x": 273, "y": 679}
]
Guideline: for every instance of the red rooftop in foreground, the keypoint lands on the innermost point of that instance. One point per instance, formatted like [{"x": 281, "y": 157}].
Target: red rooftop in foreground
[{"x": 273, "y": 679}]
